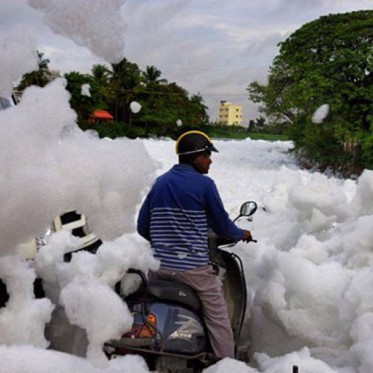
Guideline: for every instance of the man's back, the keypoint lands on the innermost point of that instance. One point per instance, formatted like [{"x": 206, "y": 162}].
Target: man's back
[{"x": 178, "y": 218}]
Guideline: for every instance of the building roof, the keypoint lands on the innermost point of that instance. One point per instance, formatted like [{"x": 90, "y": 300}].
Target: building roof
[{"x": 101, "y": 114}]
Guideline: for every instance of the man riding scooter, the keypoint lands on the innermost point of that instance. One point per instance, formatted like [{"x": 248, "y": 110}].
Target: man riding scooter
[{"x": 176, "y": 216}]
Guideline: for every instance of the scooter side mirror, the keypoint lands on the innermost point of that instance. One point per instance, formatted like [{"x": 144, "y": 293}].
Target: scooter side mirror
[{"x": 248, "y": 208}]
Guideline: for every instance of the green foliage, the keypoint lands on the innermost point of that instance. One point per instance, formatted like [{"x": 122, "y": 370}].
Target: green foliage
[
  {"x": 152, "y": 76},
  {"x": 267, "y": 136},
  {"x": 366, "y": 141},
  {"x": 329, "y": 60},
  {"x": 162, "y": 103},
  {"x": 81, "y": 103},
  {"x": 114, "y": 87},
  {"x": 113, "y": 130},
  {"x": 40, "y": 77},
  {"x": 238, "y": 132},
  {"x": 101, "y": 76},
  {"x": 124, "y": 81},
  {"x": 227, "y": 131}
]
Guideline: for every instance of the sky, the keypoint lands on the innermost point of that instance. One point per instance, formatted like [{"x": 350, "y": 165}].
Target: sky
[{"x": 209, "y": 47}]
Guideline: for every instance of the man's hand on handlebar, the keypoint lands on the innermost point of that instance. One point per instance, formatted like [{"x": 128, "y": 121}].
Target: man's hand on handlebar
[{"x": 247, "y": 237}]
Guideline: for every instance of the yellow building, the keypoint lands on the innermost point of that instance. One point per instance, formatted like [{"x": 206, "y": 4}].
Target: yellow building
[{"x": 230, "y": 114}]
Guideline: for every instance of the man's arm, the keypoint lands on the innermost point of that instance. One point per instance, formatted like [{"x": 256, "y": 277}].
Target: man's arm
[
  {"x": 219, "y": 218},
  {"x": 143, "y": 220}
]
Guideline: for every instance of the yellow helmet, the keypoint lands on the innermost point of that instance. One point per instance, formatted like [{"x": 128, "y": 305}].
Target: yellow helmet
[{"x": 193, "y": 142}]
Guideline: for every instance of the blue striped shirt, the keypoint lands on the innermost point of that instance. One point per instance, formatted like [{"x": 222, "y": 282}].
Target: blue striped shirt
[{"x": 177, "y": 214}]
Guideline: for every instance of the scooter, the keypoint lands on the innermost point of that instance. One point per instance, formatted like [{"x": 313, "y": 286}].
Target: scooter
[{"x": 168, "y": 329}]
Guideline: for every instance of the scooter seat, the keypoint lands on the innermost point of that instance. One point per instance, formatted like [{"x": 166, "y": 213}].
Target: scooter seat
[{"x": 174, "y": 292}]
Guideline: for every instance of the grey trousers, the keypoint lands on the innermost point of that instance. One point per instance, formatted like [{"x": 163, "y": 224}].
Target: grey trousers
[{"x": 214, "y": 308}]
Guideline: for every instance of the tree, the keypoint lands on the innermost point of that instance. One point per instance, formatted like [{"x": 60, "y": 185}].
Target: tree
[
  {"x": 167, "y": 103},
  {"x": 257, "y": 125},
  {"x": 40, "y": 77},
  {"x": 152, "y": 76},
  {"x": 327, "y": 61},
  {"x": 83, "y": 104},
  {"x": 163, "y": 103},
  {"x": 101, "y": 74},
  {"x": 198, "y": 113},
  {"x": 124, "y": 81}
]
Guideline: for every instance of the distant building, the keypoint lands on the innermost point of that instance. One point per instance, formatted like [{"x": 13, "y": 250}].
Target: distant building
[{"x": 230, "y": 114}]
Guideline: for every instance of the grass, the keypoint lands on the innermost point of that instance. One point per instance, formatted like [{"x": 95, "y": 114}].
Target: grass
[
  {"x": 267, "y": 136},
  {"x": 118, "y": 129},
  {"x": 222, "y": 133}
]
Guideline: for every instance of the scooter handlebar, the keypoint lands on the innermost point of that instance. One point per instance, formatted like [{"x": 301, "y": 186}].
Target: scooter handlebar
[{"x": 249, "y": 239}]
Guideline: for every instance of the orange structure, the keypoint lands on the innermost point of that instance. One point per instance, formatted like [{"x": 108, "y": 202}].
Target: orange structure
[{"x": 100, "y": 116}]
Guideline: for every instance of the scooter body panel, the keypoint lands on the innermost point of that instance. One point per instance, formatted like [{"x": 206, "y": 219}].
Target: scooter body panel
[{"x": 178, "y": 329}]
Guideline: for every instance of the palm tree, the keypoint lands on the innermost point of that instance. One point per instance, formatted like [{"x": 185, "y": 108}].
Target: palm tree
[
  {"x": 124, "y": 81},
  {"x": 40, "y": 77},
  {"x": 152, "y": 75},
  {"x": 101, "y": 74}
]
